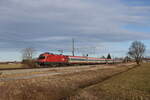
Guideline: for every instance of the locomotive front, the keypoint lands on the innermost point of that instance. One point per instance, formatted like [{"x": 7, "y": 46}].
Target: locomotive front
[
  {"x": 42, "y": 59},
  {"x": 52, "y": 59}
]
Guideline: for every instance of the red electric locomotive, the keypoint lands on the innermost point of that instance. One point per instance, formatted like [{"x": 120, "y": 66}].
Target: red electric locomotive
[{"x": 52, "y": 59}]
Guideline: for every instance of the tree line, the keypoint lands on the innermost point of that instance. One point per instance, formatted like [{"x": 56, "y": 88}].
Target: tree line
[{"x": 136, "y": 52}]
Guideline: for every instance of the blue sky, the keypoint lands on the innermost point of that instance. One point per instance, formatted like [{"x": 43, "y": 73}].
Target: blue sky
[{"x": 108, "y": 26}]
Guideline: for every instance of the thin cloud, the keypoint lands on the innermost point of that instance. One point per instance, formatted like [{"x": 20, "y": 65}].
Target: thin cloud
[{"x": 45, "y": 23}]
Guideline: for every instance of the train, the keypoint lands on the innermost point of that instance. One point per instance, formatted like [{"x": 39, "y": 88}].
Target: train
[{"x": 51, "y": 59}]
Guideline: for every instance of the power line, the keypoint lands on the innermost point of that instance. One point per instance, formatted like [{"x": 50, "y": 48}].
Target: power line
[{"x": 73, "y": 47}]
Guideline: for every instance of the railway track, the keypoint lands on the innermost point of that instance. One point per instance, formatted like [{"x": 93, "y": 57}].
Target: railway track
[
  {"x": 3, "y": 69},
  {"x": 45, "y": 67}
]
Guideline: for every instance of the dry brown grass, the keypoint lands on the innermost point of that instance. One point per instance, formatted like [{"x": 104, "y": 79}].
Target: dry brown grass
[
  {"x": 54, "y": 87},
  {"x": 4, "y": 66}
]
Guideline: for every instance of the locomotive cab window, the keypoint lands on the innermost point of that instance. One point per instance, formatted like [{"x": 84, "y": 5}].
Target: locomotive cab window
[{"x": 42, "y": 57}]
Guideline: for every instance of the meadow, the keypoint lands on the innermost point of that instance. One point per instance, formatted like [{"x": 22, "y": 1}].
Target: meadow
[
  {"x": 58, "y": 87},
  {"x": 131, "y": 85},
  {"x": 117, "y": 82}
]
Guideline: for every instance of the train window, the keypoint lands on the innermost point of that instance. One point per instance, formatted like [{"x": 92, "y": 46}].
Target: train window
[
  {"x": 41, "y": 57},
  {"x": 77, "y": 59}
]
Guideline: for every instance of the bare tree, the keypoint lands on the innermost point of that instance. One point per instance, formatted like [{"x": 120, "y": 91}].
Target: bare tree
[
  {"x": 28, "y": 53},
  {"x": 27, "y": 58},
  {"x": 137, "y": 50}
]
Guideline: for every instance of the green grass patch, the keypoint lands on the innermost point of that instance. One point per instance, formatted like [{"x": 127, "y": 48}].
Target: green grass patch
[
  {"x": 131, "y": 85},
  {"x": 138, "y": 79}
]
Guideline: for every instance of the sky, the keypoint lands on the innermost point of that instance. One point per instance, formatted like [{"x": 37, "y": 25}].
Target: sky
[{"x": 98, "y": 27}]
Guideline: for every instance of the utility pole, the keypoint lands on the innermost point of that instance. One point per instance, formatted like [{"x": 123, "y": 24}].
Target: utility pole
[{"x": 72, "y": 47}]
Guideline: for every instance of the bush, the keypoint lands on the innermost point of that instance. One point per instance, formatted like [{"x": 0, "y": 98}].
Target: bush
[{"x": 29, "y": 64}]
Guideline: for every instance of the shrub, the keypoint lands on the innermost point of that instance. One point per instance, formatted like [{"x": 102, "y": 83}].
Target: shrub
[{"x": 29, "y": 64}]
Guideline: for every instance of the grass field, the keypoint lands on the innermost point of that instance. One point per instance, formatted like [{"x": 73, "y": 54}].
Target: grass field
[
  {"x": 131, "y": 85},
  {"x": 56, "y": 87},
  {"x": 5, "y": 66},
  {"x": 116, "y": 83}
]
